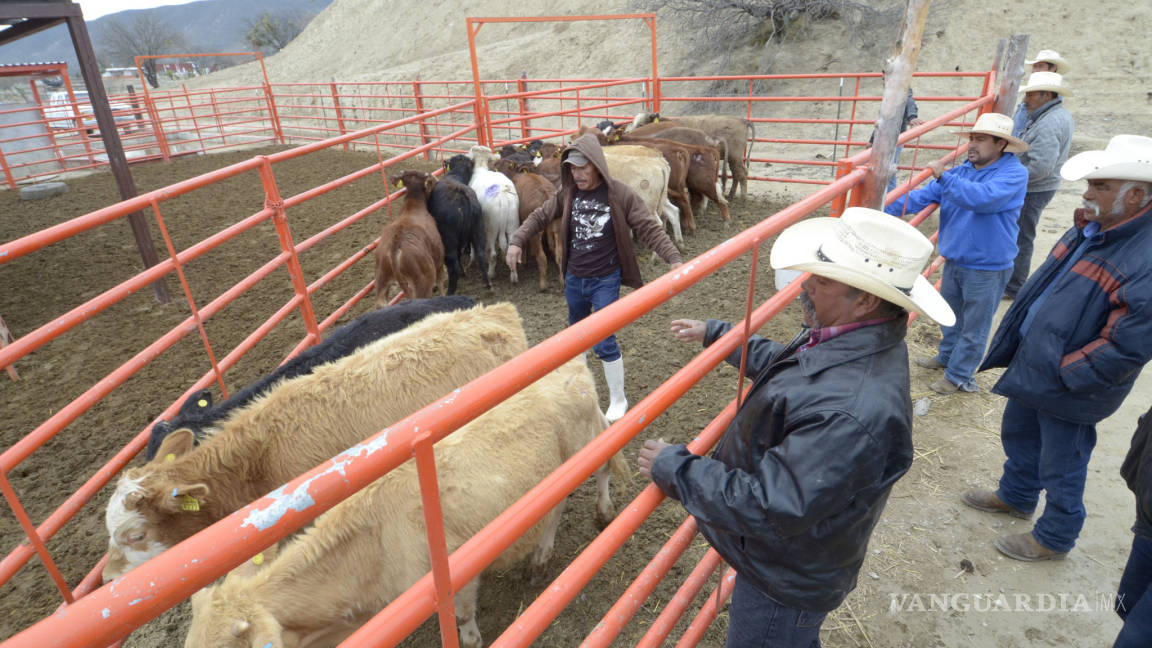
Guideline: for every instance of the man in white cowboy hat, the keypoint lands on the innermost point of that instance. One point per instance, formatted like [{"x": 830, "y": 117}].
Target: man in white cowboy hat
[
  {"x": 1073, "y": 344},
  {"x": 1048, "y": 133},
  {"x": 1045, "y": 61},
  {"x": 801, "y": 475},
  {"x": 979, "y": 203}
]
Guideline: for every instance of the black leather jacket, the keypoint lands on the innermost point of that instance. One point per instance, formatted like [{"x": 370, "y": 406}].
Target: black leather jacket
[
  {"x": 801, "y": 476},
  {"x": 1137, "y": 473}
]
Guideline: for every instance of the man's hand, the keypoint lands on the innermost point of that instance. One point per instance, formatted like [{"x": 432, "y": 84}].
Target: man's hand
[
  {"x": 914, "y": 122},
  {"x": 673, "y": 266},
  {"x": 688, "y": 330},
  {"x": 647, "y": 456},
  {"x": 937, "y": 167},
  {"x": 513, "y": 256}
]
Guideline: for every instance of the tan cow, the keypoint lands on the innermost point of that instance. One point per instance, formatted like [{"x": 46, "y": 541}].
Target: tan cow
[
  {"x": 299, "y": 424},
  {"x": 369, "y": 549},
  {"x": 733, "y": 130}
]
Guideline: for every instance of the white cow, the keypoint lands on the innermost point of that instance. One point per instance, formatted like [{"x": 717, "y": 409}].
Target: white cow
[{"x": 500, "y": 204}]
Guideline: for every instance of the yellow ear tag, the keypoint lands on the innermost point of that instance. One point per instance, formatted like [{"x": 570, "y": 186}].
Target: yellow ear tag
[
  {"x": 202, "y": 403},
  {"x": 189, "y": 503},
  {"x": 169, "y": 458},
  {"x": 258, "y": 559},
  {"x": 655, "y": 120},
  {"x": 399, "y": 184}
]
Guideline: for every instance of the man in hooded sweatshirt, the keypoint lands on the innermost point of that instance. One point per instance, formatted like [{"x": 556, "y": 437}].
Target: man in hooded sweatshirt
[{"x": 598, "y": 216}]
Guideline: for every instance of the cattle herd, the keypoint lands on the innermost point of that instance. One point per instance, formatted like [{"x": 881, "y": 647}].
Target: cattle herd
[
  {"x": 318, "y": 586},
  {"x": 675, "y": 164}
]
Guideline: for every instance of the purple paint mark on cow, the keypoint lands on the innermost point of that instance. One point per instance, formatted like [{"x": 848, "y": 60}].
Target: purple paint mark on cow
[{"x": 491, "y": 191}]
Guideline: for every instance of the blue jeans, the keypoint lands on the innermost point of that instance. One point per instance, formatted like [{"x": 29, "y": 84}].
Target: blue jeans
[
  {"x": 973, "y": 296},
  {"x": 757, "y": 621},
  {"x": 1034, "y": 204},
  {"x": 1134, "y": 596},
  {"x": 1050, "y": 454},
  {"x": 585, "y": 294},
  {"x": 895, "y": 174}
]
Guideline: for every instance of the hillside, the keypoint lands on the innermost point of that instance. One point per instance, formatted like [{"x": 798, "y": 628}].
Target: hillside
[
  {"x": 208, "y": 26},
  {"x": 371, "y": 40}
]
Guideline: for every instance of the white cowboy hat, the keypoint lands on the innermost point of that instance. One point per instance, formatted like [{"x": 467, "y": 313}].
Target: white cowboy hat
[
  {"x": 1053, "y": 57},
  {"x": 997, "y": 125},
  {"x": 1047, "y": 82},
  {"x": 869, "y": 250},
  {"x": 1127, "y": 157}
]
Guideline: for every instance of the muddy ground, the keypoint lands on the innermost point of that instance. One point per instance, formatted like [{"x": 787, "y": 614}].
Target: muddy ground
[{"x": 917, "y": 547}]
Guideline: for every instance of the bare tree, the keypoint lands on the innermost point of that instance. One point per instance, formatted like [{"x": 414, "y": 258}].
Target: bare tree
[
  {"x": 141, "y": 36},
  {"x": 767, "y": 23},
  {"x": 274, "y": 30}
]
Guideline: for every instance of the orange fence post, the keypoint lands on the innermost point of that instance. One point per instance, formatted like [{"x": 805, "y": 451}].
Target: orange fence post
[
  {"x": 273, "y": 201},
  {"x": 339, "y": 113},
  {"x": 48, "y": 128},
  {"x": 192, "y": 113},
  {"x": 420, "y": 111},
  {"x": 216, "y": 112},
  {"x": 684, "y": 596},
  {"x": 437, "y": 544},
  {"x": 33, "y": 536},
  {"x": 7, "y": 172}
]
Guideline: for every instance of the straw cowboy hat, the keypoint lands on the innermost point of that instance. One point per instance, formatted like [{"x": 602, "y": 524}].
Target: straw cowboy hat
[
  {"x": 869, "y": 250},
  {"x": 997, "y": 125},
  {"x": 1127, "y": 157},
  {"x": 1047, "y": 82},
  {"x": 1053, "y": 57}
]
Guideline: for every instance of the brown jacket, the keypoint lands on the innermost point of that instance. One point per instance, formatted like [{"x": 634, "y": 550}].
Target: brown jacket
[{"x": 622, "y": 201}]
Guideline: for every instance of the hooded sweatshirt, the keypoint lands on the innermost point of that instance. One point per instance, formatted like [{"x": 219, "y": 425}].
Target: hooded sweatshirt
[{"x": 627, "y": 211}]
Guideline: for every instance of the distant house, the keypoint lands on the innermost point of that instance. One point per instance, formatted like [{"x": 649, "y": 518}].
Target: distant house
[
  {"x": 180, "y": 70},
  {"x": 119, "y": 73}
]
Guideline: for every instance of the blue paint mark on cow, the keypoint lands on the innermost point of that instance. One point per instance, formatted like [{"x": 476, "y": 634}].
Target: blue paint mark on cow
[
  {"x": 105, "y": 613},
  {"x": 491, "y": 192}
]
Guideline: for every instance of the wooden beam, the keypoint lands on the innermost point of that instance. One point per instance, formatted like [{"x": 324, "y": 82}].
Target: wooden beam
[
  {"x": 38, "y": 10},
  {"x": 27, "y": 28},
  {"x": 897, "y": 78},
  {"x": 102, "y": 111}
]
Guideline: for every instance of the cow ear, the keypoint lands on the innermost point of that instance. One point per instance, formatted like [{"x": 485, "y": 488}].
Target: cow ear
[
  {"x": 189, "y": 498},
  {"x": 239, "y": 628},
  {"x": 429, "y": 183},
  {"x": 197, "y": 402},
  {"x": 177, "y": 444}
]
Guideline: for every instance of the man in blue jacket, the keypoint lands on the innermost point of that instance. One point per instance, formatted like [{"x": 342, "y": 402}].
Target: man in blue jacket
[
  {"x": 979, "y": 202},
  {"x": 1073, "y": 344},
  {"x": 799, "y": 480}
]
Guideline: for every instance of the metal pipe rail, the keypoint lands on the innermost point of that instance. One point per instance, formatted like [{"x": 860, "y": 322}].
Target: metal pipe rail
[{"x": 112, "y": 611}]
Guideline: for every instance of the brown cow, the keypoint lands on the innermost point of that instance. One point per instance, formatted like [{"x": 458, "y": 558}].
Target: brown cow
[
  {"x": 733, "y": 130},
  {"x": 701, "y": 174},
  {"x": 410, "y": 250},
  {"x": 533, "y": 190}
]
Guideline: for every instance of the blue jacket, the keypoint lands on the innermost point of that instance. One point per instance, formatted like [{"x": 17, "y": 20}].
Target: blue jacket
[
  {"x": 1091, "y": 336},
  {"x": 978, "y": 211},
  {"x": 800, "y": 478}
]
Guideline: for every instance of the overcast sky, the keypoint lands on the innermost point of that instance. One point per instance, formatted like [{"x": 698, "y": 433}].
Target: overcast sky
[{"x": 93, "y": 9}]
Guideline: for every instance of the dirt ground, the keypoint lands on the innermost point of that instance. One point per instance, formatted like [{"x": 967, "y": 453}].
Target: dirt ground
[{"x": 917, "y": 548}]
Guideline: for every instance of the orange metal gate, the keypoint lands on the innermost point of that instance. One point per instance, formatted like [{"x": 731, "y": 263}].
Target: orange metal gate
[{"x": 95, "y": 616}]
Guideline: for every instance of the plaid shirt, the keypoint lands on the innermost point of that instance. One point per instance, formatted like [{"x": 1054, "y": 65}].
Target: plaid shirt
[{"x": 828, "y": 332}]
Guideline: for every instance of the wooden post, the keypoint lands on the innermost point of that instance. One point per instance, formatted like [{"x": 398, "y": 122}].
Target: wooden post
[
  {"x": 420, "y": 111},
  {"x": 5, "y": 340},
  {"x": 1008, "y": 74},
  {"x": 898, "y": 76},
  {"x": 113, "y": 148},
  {"x": 336, "y": 105},
  {"x": 522, "y": 87}
]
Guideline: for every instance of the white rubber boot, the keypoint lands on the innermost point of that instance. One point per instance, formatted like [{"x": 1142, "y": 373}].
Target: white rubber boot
[{"x": 614, "y": 376}]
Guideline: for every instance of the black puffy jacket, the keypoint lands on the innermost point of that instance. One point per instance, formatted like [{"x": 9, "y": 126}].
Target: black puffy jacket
[{"x": 801, "y": 475}]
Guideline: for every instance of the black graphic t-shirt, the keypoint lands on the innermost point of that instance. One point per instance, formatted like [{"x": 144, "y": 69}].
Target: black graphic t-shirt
[{"x": 592, "y": 241}]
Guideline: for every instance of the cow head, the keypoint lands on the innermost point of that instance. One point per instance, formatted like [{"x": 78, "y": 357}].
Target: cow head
[
  {"x": 645, "y": 118},
  {"x": 224, "y": 616},
  {"x": 153, "y": 508}
]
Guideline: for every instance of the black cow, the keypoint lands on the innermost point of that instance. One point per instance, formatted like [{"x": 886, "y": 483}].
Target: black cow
[
  {"x": 198, "y": 413},
  {"x": 457, "y": 213}
]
